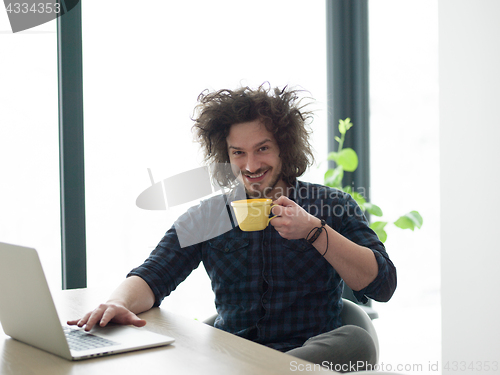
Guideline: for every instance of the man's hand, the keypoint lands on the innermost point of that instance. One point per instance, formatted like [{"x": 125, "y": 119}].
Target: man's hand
[
  {"x": 132, "y": 297},
  {"x": 108, "y": 312},
  {"x": 294, "y": 222}
]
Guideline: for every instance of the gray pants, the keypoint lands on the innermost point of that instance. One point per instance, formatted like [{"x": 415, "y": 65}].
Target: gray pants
[{"x": 345, "y": 349}]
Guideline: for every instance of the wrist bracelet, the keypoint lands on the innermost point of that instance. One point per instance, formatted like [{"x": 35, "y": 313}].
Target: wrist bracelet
[{"x": 316, "y": 234}]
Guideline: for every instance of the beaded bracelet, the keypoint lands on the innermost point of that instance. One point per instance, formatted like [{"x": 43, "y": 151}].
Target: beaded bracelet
[{"x": 318, "y": 231}]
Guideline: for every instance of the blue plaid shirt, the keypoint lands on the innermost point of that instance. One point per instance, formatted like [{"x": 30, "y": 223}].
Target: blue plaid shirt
[{"x": 270, "y": 290}]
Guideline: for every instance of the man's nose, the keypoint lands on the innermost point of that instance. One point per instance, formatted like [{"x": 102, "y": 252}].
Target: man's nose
[{"x": 252, "y": 164}]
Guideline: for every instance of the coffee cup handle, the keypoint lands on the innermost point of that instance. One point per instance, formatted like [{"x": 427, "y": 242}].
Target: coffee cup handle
[{"x": 269, "y": 220}]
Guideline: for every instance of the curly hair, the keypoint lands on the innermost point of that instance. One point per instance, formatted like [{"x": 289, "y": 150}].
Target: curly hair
[{"x": 281, "y": 112}]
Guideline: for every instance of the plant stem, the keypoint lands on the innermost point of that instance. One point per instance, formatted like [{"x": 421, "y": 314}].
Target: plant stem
[{"x": 341, "y": 142}]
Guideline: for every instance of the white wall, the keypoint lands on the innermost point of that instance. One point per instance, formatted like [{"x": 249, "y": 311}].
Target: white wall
[{"x": 469, "y": 50}]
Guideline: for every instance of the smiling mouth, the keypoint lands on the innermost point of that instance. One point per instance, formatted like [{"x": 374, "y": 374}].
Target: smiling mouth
[{"x": 256, "y": 177}]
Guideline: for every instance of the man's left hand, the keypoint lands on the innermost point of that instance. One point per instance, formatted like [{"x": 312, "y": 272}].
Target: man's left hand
[{"x": 293, "y": 222}]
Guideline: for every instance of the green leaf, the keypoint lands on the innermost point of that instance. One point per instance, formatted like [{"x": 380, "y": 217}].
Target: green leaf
[
  {"x": 409, "y": 221},
  {"x": 348, "y": 159},
  {"x": 348, "y": 124},
  {"x": 378, "y": 225},
  {"x": 373, "y": 209},
  {"x": 358, "y": 197},
  {"x": 337, "y": 139},
  {"x": 379, "y": 228},
  {"x": 417, "y": 218},
  {"x": 342, "y": 127},
  {"x": 404, "y": 222},
  {"x": 333, "y": 155},
  {"x": 360, "y": 200},
  {"x": 345, "y": 125},
  {"x": 333, "y": 177}
]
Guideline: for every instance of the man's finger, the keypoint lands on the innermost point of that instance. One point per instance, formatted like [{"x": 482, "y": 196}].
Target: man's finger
[
  {"x": 95, "y": 317},
  {"x": 79, "y": 322},
  {"x": 277, "y": 210},
  {"x": 138, "y": 322},
  {"x": 284, "y": 201},
  {"x": 121, "y": 315},
  {"x": 106, "y": 317}
]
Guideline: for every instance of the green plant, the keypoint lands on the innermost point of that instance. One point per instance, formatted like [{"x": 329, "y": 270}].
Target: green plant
[{"x": 346, "y": 160}]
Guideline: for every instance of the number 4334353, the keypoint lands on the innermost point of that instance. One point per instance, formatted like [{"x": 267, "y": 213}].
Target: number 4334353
[
  {"x": 485, "y": 366},
  {"x": 25, "y": 8}
]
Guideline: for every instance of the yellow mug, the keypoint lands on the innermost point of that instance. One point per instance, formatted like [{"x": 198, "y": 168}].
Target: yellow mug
[{"x": 253, "y": 214}]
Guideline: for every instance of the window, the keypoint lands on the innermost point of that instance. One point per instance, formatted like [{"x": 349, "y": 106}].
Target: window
[
  {"x": 405, "y": 169},
  {"x": 143, "y": 70},
  {"x": 29, "y": 156}
]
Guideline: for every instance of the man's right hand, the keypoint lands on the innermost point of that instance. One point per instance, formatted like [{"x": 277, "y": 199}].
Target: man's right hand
[
  {"x": 108, "y": 312},
  {"x": 132, "y": 297}
]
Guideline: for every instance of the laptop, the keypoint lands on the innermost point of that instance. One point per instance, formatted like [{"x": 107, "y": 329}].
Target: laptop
[{"x": 28, "y": 314}]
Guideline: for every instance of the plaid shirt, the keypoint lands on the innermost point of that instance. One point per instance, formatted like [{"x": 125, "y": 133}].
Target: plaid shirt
[{"x": 273, "y": 291}]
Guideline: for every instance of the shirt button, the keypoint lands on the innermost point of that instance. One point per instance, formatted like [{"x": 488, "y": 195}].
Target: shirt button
[
  {"x": 226, "y": 250},
  {"x": 265, "y": 243},
  {"x": 264, "y": 301}
]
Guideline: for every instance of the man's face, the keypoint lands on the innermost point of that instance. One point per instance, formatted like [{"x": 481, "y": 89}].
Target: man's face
[{"x": 254, "y": 151}]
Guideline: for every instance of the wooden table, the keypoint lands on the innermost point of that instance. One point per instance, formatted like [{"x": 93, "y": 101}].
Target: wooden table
[{"x": 199, "y": 349}]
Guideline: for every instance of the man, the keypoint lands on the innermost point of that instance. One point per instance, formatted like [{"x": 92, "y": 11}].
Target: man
[{"x": 281, "y": 286}]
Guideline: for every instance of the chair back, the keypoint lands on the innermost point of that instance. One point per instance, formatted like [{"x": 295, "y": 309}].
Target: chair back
[
  {"x": 355, "y": 315},
  {"x": 350, "y": 314}
]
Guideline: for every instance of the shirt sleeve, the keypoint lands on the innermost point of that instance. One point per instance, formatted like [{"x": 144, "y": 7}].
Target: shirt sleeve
[
  {"x": 355, "y": 227},
  {"x": 180, "y": 250},
  {"x": 167, "y": 265}
]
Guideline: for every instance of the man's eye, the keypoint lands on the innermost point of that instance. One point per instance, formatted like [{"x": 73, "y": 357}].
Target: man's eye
[
  {"x": 237, "y": 152},
  {"x": 264, "y": 148}
]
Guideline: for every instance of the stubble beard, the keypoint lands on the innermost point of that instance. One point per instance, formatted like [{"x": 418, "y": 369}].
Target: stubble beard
[{"x": 264, "y": 193}]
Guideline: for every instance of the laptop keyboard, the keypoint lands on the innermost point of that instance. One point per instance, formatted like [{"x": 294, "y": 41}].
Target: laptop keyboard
[{"x": 81, "y": 340}]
